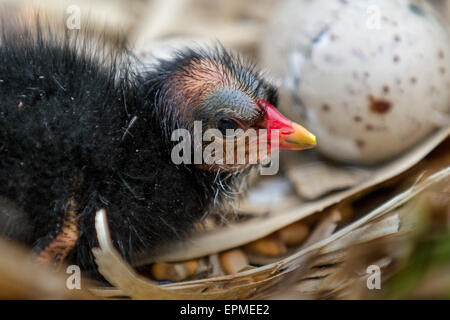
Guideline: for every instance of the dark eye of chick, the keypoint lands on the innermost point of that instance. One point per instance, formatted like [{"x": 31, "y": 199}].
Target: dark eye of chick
[{"x": 227, "y": 124}]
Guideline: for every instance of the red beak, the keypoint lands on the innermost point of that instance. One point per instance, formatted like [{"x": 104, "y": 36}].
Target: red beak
[{"x": 292, "y": 136}]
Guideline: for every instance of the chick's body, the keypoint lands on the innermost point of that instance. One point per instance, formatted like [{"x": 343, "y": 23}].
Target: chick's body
[
  {"x": 81, "y": 130},
  {"x": 72, "y": 134}
]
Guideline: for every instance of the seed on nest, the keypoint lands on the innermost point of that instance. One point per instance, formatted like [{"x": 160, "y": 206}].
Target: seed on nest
[
  {"x": 233, "y": 261},
  {"x": 192, "y": 265},
  {"x": 271, "y": 246},
  {"x": 345, "y": 211},
  {"x": 294, "y": 234},
  {"x": 174, "y": 271}
]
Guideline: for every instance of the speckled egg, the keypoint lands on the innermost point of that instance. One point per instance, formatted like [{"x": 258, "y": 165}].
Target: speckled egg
[{"x": 372, "y": 78}]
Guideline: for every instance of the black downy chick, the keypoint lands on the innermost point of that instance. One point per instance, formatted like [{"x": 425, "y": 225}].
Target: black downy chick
[{"x": 81, "y": 131}]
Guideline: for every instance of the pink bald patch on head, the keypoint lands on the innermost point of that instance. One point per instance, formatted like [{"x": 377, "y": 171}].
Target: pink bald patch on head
[
  {"x": 207, "y": 72},
  {"x": 197, "y": 80}
]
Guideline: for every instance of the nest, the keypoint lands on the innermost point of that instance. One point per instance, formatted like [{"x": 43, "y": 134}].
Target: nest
[
  {"x": 302, "y": 247},
  {"x": 310, "y": 248}
]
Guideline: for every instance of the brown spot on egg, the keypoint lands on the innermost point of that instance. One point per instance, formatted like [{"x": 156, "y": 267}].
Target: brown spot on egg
[
  {"x": 442, "y": 54},
  {"x": 369, "y": 127},
  {"x": 360, "y": 143},
  {"x": 396, "y": 59},
  {"x": 378, "y": 105},
  {"x": 334, "y": 37},
  {"x": 442, "y": 70},
  {"x": 386, "y": 89},
  {"x": 326, "y": 108},
  {"x": 357, "y": 118},
  {"x": 413, "y": 80},
  {"x": 397, "y": 38}
]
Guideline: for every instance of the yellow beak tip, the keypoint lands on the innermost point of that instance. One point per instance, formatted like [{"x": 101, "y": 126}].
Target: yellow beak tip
[{"x": 313, "y": 140}]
